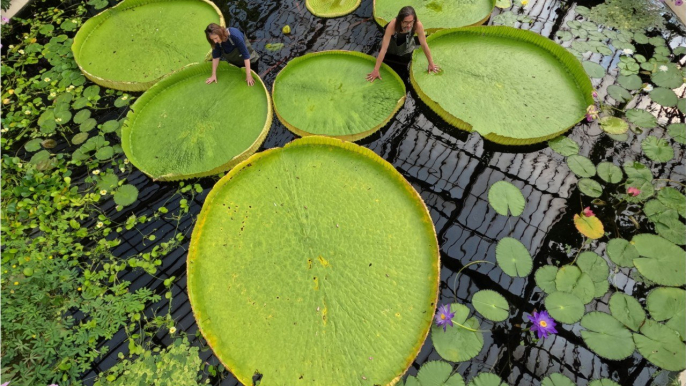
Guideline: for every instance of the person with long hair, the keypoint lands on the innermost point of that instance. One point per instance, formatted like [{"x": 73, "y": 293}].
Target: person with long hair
[
  {"x": 231, "y": 45},
  {"x": 398, "y": 42}
]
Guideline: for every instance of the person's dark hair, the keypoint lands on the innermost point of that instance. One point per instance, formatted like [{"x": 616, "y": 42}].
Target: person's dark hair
[
  {"x": 405, "y": 12},
  {"x": 215, "y": 29}
]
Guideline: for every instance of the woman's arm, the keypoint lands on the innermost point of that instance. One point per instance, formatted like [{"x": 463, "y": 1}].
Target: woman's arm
[
  {"x": 382, "y": 52},
  {"x": 248, "y": 73},
  {"x": 425, "y": 47},
  {"x": 213, "y": 78}
]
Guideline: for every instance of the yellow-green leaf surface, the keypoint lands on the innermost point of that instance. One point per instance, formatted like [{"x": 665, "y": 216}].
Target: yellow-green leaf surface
[
  {"x": 332, "y": 8},
  {"x": 132, "y": 45},
  {"x": 437, "y": 14},
  {"x": 590, "y": 227},
  {"x": 513, "y": 87},
  {"x": 308, "y": 260},
  {"x": 326, "y": 93},
  {"x": 183, "y": 128}
]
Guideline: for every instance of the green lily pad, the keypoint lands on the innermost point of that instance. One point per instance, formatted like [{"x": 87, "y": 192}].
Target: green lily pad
[
  {"x": 672, "y": 229},
  {"x": 104, "y": 153},
  {"x": 564, "y": 146},
  {"x": 645, "y": 186},
  {"x": 438, "y": 373},
  {"x": 491, "y": 305},
  {"x": 668, "y": 304},
  {"x": 663, "y": 96},
  {"x": 661, "y": 346},
  {"x": 88, "y": 125},
  {"x": 631, "y": 82},
  {"x": 108, "y": 182},
  {"x": 672, "y": 198},
  {"x": 601, "y": 288},
  {"x": 487, "y": 379},
  {"x": 661, "y": 261},
  {"x": 572, "y": 280},
  {"x": 108, "y": 46},
  {"x": 326, "y": 93},
  {"x": 412, "y": 381},
  {"x": 641, "y": 118},
  {"x": 603, "y": 382},
  {"x": 593, "y": 265},
  {"x": 513, "y": 257},
  {"x": 656, "y": 149},
  {"x": 81, "y": 116},
  {"x": 33, "y": 145},
  {"x": 110, "y": 126},
  {"x": 681, "y": 105},
  {"x": 678, "y": 132},
  {"x": 614, "y": 125},
  {"x": 564, "y": 307},
  {"x": 627, "y": 310},
  {"x": 672, "y": 78},
  {"x": 557, "y": 379},
  {"x": 328, "y": 8},
  {"x": 327, "y": 202},
  {"x": 606, "y": 336},
  {"x": 619, "y": 137},
  {"x": 458, "y": 344},
  {"x": 581, "y": 166},
  {"x": 657, "y": 211},
  {"x": 125, "y": 195},
  {"x": 593, "y": 69},
  {"x": 552, "y": 90},
  {"x": 562, "y": 35},
  {"x": 610, "y": 173},
  {"x": 437, "y": 14},
  {"x": 618, "y": 93},
  {"x": 39, "y": 157},
  {"x": 79, "y": 138},
  {"x": 590, "y": 187},
  {"x": 545, "y": 278},
  {"x": 640, "y": 38},
  {"x": 171, "y": 136},
  {"x": 506, "y": 198}
]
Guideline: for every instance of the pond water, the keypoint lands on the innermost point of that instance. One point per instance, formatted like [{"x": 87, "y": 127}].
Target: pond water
[{"x": 452, "y": 171}]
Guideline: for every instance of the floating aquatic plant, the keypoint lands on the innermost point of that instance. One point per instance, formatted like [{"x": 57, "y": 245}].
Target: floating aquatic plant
[{"x": 542, "y": 324}]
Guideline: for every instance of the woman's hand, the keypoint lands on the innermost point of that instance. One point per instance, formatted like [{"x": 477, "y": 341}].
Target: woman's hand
[
  {"x": 433, "y": 68},
  {"x": 249, "y": 80},
  {"x": 211, "y": 79},
  {"x": 373, "y": 75}
]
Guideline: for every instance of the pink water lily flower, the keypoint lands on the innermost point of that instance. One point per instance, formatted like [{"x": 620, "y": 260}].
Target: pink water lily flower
[
  {"x": 5, "y": 21},
  {"x": 588, "y": 212},
  {"x": 594, "y": 94},
  {"x": 633, "y": 191},
  {"x": 591, "y": 113}
]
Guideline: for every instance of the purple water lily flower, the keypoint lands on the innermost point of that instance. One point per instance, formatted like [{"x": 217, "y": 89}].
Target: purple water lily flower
[
  {"x": 444, "y": 317},
  {"x": 678, "y": 3},
  {"x": 543, "y": 324}
]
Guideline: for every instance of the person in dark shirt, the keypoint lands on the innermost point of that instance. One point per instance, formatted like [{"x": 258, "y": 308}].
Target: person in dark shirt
[
  {"x": 398, "y": 43},
  {"x": 230, "y": 44}
]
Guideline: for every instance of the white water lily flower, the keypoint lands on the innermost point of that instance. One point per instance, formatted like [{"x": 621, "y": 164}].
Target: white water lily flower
[
  {"x": 663, "y": 68},
  {"x": 648, "y": 87},
  {"x": 96, "y": 171},
  {"x": 27, "y": 112},
  {"x": 627, "y": 51}
]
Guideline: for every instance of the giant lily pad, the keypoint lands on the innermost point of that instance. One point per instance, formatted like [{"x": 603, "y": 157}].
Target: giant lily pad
[
  {"x": 661, "y": 346},
  {"x": 513, "y": 87},
  {"x": 184, "y": 128},
  {"x": 325, "y": 93},
  {"x": 606, "y": 336},
  {"x": 661, "y": 261},
  {"x": 134, "y": 44},
  {"x": 350, "y": 247},
  {"x": 437, "y": 14},
  {"x": 332, "y": 8},
  {"x": 461, "y": 342}
]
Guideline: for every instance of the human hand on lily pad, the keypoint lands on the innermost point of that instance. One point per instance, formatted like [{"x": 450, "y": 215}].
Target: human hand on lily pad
[
  {"x": 249, "y": 79},
  {"x": 211, "y": 79},
  {"x": 434, "y": 68},
  {"x": 373, "y": 75}
]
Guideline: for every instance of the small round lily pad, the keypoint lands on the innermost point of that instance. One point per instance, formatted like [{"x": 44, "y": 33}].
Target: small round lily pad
[
  {"x": 491, "y": 305},
  {"x": 564, "y": 307},
  {"x": 606, "y": 336},
  {"x": 506, "y": 198},
  {"x": 513, "y": 257}
]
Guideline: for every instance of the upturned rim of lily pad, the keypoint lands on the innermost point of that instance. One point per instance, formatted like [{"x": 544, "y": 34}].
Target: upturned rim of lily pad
[{"x": 310, "y": 7}]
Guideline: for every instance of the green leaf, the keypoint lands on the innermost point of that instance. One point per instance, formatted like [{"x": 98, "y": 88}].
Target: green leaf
[
  {"x": 668, "y": 304},
  {"x": 619, "y": 137},
  {"x": 590, "y": 187},
  {"x": 557, "y": 379},
  {"x": 661, "y": 346},
  {"x": 672, "y": 229},
  {"x": 564, "y": 146},
  {"x": 600, "y": 288},
  {"x": 46, "y": 29},
  {"x": 610, "y": 173},
  {"x": 491, "y": 305},
  {"x": 627, "y": 310},
  {"x": 438, "y": 373},
  {"x": 656, "y": 149},
  {"x": 104, "y": 153},
  {"x": 437, "y": 14},
  {"x": 603, "y": 382},
  {"x": 564, "y": 307},
  {"x": 81, "y": 116},
  {"x": 46, "y": 121},
  {"x": 126, "y": 195},
  {"x": 79, "y": 138},
  {"x": 506, "y": 198},
  {"x": 322, "y": 245},
  {"x": 631, "y": 82},
  {"x": 88, "y": 125},
  {"x": 618, "y": 93},
  {"x": 657, "y": 211},
  {"x": 487, "y": 379},
  {"x": 80, "y": 103},
  {"x": 39, "y": 157},
  {"x": 661, "y": 261},
  {"x": 581, "y": 166},
  {"x": 672, "y": 198},
  {"x": 678, "y": 132},
  {"x": 91, "y": 92},
  {"x": 614, "y": 125},
  {"x": 332, "y": 9},
  {"x": 110, "y": 126},
  {"x": 412, "y": 381},
  {"x": 108, "y": 182},
  {"x": 572, "y": 280},
  {"x": 166, "y": 142},
  {"x": 641, "y": 118},
  {"x": 555, "y": 96},
  {"x": 606, "y": 336},
  {"x": 593, "y": 69},
  {"x": 545, "y": 278},
  {"x": 681, "y": 105},
  {"x": 458, "y": 344},
  {"x": 513, "y": 257},
  {"x": 663, "y": 96},
  {"x": 672, "y": 78},
  {"x": 593, "y": 265},
  {"x": 33, "y": 145}
]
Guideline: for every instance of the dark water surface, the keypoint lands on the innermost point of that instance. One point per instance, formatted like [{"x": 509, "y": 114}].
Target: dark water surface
[{"x": 452, "y": 171}]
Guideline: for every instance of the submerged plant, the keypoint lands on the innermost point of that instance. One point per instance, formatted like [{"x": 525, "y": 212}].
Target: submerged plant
[
  {"x": 542, "y": 324},
  {"x": 444, "y": 317}
]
